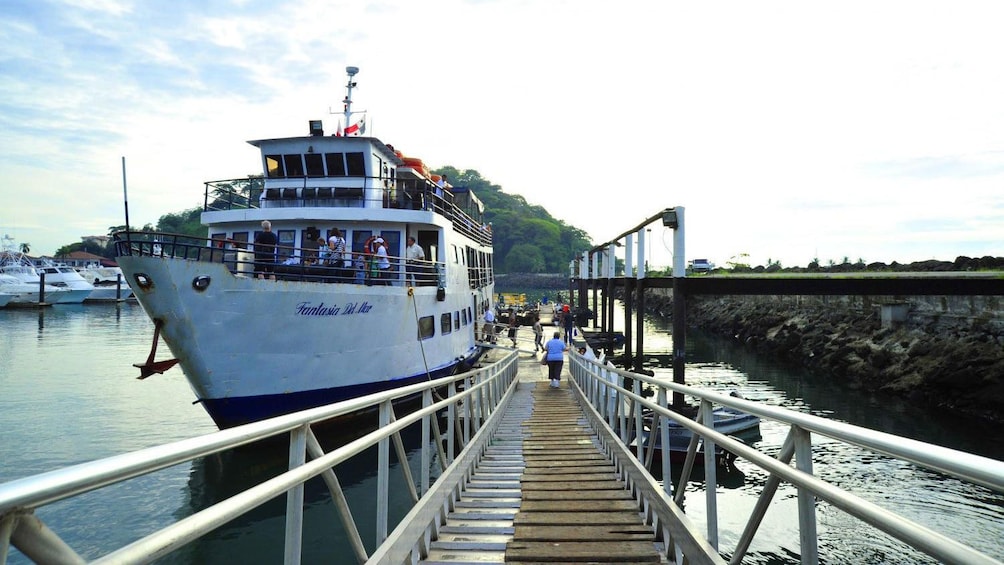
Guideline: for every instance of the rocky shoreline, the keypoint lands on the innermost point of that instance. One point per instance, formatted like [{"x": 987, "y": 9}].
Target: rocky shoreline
[{"x": 952, "y": 362}]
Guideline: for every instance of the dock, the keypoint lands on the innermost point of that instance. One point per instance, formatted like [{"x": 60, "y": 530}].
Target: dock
[{"x": 544, "y": 491}]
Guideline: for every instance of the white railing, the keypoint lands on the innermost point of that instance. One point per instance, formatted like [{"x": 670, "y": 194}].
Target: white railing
[
  {"x": 622, "y": 410},
  {"x": 471, "y": 403}
]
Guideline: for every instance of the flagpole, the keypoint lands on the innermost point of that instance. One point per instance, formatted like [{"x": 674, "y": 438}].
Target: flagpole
[{"x": 125, "y": 193}]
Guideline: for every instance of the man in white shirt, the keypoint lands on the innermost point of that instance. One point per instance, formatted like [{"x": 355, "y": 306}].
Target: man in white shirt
[
  {"x": 414, "y": 255},
  {"x": 489, "y": 328}
]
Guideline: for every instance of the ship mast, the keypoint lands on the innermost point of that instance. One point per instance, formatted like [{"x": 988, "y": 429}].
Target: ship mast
[{"x": 348, "y": 96}]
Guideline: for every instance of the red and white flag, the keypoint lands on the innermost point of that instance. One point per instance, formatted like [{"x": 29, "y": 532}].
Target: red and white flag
[{"x": 357, "y": 128}]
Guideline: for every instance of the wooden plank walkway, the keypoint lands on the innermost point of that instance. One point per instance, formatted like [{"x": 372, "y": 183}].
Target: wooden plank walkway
[
  {"x": 575, "y": 508},
  {"x": 543, "y": 491}
]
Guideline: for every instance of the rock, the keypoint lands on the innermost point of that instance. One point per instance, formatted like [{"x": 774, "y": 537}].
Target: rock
[{"x": 951, "y": 362}]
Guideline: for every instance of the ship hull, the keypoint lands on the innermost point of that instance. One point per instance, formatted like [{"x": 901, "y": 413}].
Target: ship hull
[{"x": 255, "y": 348}]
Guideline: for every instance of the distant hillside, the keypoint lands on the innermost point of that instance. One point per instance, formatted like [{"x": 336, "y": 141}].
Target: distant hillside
[{"x": 527, "y": 238}]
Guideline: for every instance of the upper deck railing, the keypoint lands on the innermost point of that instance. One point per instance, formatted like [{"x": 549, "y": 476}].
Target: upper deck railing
[
  {"x": 622, "y": 409},
  {"x": 287, "y": 262},
  {"x": 466, "y": 404},
  {"x": 251, "y": 193}
]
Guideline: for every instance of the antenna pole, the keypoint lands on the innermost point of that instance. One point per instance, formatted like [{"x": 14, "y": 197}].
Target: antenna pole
[
  {"x": 125, "y": 193},
  {"x": 348, "y": 96}
]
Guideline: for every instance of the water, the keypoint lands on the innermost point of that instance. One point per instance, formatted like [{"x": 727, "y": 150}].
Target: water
[
  {"x": 70, "y": 394},
  {"x": 967, "y": 513}
]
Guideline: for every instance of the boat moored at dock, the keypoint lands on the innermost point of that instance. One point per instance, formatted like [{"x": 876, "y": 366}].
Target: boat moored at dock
[{"x": 307, "y": 290}]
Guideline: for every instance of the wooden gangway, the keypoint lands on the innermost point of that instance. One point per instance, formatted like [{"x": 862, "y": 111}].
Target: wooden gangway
[{"x": 544, "y": 491}]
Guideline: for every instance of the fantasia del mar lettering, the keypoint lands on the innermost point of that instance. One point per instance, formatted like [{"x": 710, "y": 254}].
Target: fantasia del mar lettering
[{"x": 308, "y": 309}]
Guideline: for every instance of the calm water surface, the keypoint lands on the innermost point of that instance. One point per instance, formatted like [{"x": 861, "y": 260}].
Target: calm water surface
[{"x": 70, "y": 394}]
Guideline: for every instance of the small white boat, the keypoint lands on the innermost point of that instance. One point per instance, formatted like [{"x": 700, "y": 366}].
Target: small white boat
[
  {"x": 15, "y": 263},
  {"x": 109, "y": 283},
  {"x": 66, "y": 277},
  {"x": 27, "y": 294},
  {"x": 5, "y": 298},
  {"x": 727, "y": 421}
]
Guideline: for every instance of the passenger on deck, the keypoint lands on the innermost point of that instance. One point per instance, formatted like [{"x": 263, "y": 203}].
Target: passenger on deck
[
  {"x": 336, "y": 245},
  {"x": 414, "y": 255},
  {"x": 323, "y": 251},
  {"x": 382, "y": 262},
  {"x": 264, "y": 251}
]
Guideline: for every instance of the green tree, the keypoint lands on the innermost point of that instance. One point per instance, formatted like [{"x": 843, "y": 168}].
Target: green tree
[{"x": 524, "y": 258}]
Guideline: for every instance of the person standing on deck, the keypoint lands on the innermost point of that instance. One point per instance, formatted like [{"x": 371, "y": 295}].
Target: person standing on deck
[
  {"x": 264, "y": 251},
  {"x": 513, "y": 324},
  {"x": 567, "y": 320},
  {"x": 414, "y": 255},
  {"x": 489, "y": 327},
  {"x": 382, "y": 262},
  {"x": 554, "y": 351},
  {"x": 538, "y": 335}
]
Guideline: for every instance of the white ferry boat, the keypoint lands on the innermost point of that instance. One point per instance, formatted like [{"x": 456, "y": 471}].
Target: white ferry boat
[{"x": 261, "y": 330}]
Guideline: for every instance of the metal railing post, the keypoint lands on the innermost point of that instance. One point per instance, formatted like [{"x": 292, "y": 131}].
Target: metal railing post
[
  {"x": 710, "y": 474},
  {"x": 294, "y": 497},
  {"x": 426, "y": 439},
  {"x": 341, "y": 504},
  {"x": 383, "y": 476},
  {"x": 451, "y": 424},
  {"x": 667, "y": 470},
  {"x": 806, "y": 500}
]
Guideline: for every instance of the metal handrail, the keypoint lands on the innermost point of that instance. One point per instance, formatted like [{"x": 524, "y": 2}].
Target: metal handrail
[
  {"x": 468, "y": 411},
  {"x": 621, "y": 410}
]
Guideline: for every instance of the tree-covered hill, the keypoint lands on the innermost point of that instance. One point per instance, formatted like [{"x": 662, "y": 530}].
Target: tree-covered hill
[{"x": 527, "y": 238}]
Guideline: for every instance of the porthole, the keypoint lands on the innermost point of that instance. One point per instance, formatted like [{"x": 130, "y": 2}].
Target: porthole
[{"x": 201, "y": 282}]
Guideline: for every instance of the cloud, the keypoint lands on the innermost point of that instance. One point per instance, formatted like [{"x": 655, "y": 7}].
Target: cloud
[{"x": 788, "y": 130}]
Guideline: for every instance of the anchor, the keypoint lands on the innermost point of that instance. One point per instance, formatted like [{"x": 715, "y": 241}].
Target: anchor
[{"x": 151, "y": 366}]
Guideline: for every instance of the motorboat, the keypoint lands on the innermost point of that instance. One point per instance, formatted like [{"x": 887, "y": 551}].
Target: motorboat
[
  {"x": 27, "y": 294},
  {"x": 66, "y": 277},
  {"x": 727, "y": 421},
  {"x": 109, "y": 283},
  {"x": 264, "y": 326},
  {"x": 15, "y": 263}
]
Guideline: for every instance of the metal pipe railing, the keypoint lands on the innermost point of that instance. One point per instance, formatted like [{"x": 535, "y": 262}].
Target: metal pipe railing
[
  {"x": 601, "y": 383},
  {"x": 19, "y": 498}
]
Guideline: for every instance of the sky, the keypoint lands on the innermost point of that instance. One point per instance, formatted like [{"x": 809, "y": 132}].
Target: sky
[{"x": 788, "y": 130}]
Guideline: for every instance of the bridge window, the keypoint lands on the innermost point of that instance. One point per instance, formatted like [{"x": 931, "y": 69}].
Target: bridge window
[
  {"x": 315, "y": 164},
  {"x": 273, "y": 166},
  {"x": 426, "y": 327},
  {"x": 294, "y": 165},
  {"x": 335, "y": 163},
  {"x": 456, "y": 321},
  {"x": 445, "y": 324},
  {"x": 355, "y": 164}
]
